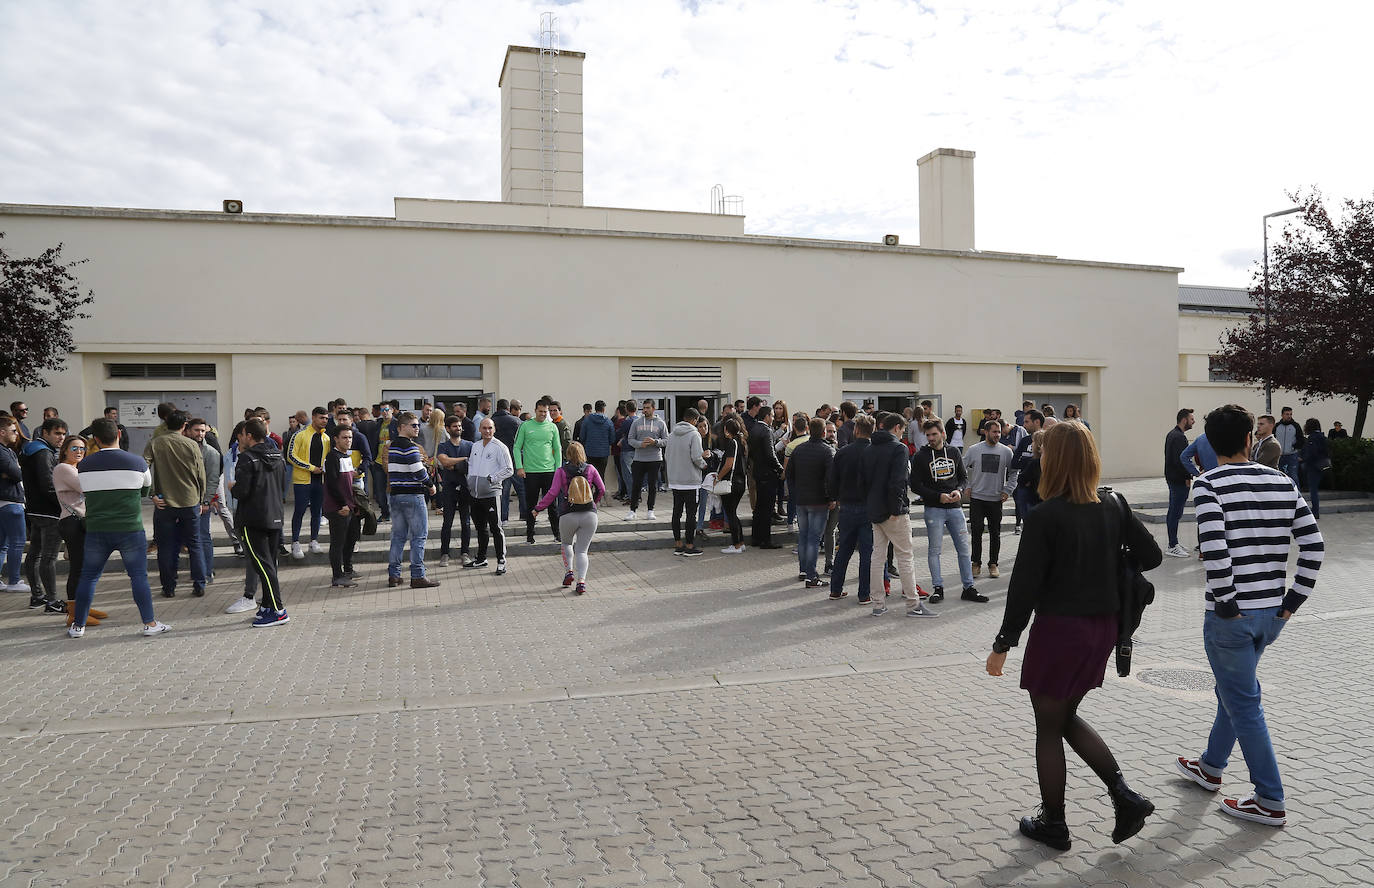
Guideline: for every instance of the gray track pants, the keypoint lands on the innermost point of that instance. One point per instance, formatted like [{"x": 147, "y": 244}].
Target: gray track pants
[{"x": 577, "y": 530}]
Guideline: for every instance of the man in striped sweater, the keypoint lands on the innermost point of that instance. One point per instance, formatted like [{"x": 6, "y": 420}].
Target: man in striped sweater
[
  {"x": 407, "y": 483},
  {"x": 1248, "y": 515},
  {"x": 114, "y": 483}
]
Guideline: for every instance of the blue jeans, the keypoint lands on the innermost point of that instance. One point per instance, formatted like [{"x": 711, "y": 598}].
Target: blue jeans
[
  {"x": 308, "y": 496},
  {"x": 703, "y": 495},
  {"x": 856, "y": 532},
  {"x": 12, "y": 534},
  {"x": 132, "y": 547},
  {"x": 409, "y": 522},
  {"x": 1290, "y": 464},
  {"x": 207, "y": 545},
  {"x": 1178, "y": 498},
  {"x": 810, "y": 525},
  {"x": 519, "y": 484},
  {"x": 172, "y": 529},
  {"x": 937, "y": 522},
  {"x": 1234, "y": 648},
  {"x": 1314, "y": 483}
]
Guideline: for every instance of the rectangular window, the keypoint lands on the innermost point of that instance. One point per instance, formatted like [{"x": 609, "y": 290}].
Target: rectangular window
[
  {"x": 1051, "y": 377},
  {"x": 160, "y": 371},
  {"x": 1215, "y": 373},
  {"x": 431, "y": 371},
  {"x": 876, "y": 374}
]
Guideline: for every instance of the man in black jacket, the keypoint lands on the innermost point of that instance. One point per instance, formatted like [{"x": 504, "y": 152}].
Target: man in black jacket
[
  {"x": 884, "y": 472},
  {"x": 1177, "y": 478},
  {"x": 36, "y": 462},
  {"x": 507, "y": 426},
  {"x": 764, "y": 472},
  {"x": 855, "y": 531},
  {"x": 806, "y": 473},
  {"x": 938, "y": 477},
  {"x": 258, "y": 490}
]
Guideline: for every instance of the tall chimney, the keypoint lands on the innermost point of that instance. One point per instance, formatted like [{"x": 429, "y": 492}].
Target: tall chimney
[
  {"x": 541, "y": 152},
  {"x": 946, "y": 199}
]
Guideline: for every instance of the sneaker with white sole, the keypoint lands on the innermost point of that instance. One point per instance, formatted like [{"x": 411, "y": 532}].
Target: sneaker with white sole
[
  {"x": 1253, "y": 811},
  {"x": 241, "y": 606},
  {"x": 1176, "y": 551},
  {"x": 315, "y": 547},
  {"x": 920, "y": 610},
  {"x": 629, "y": 516},
  {"x": 156, "y": 629},
  {"x": 732, "y": 550},
  {"x": 443, "y": 561},
  {"x": 1192, "y": 769},
  {"x": 500, "y": 568},
  {"x": 75, "y": 631},
  {"x": 20, "y": 586},
  {"x": 652, "y": 516},
  {"x": 271, "y": 618},
  {"x": 296, "y": 551}
]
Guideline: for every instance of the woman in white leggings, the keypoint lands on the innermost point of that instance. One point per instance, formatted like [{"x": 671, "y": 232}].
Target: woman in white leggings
[{"x": 576, "y": 520}]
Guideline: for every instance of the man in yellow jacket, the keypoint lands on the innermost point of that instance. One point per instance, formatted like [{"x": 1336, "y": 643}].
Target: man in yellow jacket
[{"x": 309, "y": 448}]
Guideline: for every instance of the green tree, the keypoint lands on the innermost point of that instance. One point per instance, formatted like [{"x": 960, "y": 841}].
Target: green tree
[
  {"x": 1317, "y": 337},
  {"x": 39, "y": 299}
]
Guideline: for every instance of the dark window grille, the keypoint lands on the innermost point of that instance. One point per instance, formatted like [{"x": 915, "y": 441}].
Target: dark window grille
[
  {"x": 876, "y": 374},
  {"x": 1051, "y": 377},
  {"x": 431, "y": 371},
  {"x": 160, "y": 371}
]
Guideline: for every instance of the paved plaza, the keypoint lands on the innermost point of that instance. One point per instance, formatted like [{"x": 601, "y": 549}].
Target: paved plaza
[{"x": 695, "y": 722}]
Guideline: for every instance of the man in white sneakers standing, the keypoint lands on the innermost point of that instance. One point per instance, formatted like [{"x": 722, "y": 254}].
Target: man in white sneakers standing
[
  {"x": 1246, "y": 514},
  {"x": 990, "y": 483},
  {"x": 489, "y": 465}
]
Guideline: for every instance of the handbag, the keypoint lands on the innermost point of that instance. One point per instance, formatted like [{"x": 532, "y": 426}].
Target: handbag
[
  {"x": 723, "y": 488},
  {"x": 1136, "y": 592}
]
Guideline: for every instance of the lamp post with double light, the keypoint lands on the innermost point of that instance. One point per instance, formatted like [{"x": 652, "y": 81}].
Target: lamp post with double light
[{"x": 1268, "y": 381}]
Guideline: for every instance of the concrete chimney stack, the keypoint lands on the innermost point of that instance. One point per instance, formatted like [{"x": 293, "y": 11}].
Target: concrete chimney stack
[
  {"x": 528, "y": 133},
  {"x": 946, "y": 199}
]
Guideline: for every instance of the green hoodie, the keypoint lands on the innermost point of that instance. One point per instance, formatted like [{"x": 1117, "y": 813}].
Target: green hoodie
[{"x": 537, "y": 446}]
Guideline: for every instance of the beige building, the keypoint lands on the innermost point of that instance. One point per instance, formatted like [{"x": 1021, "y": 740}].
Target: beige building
[
  {"x": 1204, "y": 316},
  {"x": 451, "y": 299}
]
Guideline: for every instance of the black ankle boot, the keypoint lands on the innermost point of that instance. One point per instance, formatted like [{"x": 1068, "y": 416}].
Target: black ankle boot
[
  {"x": 1131, "y": 809},
  {"x": 1047, "y": 828}
]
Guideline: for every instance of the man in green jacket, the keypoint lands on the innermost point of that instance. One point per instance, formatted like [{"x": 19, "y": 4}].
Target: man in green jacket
[{"x": 538, "y": 453}]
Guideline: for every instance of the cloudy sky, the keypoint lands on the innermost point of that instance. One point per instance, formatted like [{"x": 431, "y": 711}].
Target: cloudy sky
[{"x": 1152, "y": 131}]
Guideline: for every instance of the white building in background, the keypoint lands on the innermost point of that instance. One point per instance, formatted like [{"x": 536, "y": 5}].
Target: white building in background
[{"x": 451, "y": 299}]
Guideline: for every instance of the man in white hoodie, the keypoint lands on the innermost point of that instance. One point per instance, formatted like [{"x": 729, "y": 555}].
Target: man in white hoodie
[
  {"x": 489, "y": 465},
  {"x": 685, "y": 463}
]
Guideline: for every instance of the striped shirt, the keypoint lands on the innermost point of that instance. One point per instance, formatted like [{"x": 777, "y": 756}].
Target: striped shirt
[
  {"x": 405, "y": 468},
  {"x": 114, "y": 482},
  {"x": 1247, "y": 517}
]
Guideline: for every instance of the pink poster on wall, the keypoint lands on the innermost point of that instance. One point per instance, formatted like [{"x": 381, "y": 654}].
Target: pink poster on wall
[{"x": 760, "y": 386}]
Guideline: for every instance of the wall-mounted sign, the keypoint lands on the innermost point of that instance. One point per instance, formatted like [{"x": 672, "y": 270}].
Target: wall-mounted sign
[
  {"x": 760, "y": 386},
  {"x": 138, "y": 413}
]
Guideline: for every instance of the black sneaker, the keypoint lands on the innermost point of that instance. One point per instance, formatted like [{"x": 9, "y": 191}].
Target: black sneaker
[
  {"x": 500, "y": 568},
  {"x": 691, "y": 551},
  {"x": 35, "y": 603},
  {"x": 54, "y": 607},
  {"x": 972, "y": 594},
  {"x": 169, "y": 593},
  {"x": 937, "y": 594},
  {"x": 801, "y": 578},
  {"x": 198, "y": 591},
  {"x": 529, "y": 540},
  {"x": 1054, "y": 833},
  {"x": 813, "y": 584},
  {"x": 476, "y": 564}
]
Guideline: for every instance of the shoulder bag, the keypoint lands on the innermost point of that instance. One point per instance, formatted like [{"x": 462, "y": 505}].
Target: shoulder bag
[{"x": 1136, "y": 592}]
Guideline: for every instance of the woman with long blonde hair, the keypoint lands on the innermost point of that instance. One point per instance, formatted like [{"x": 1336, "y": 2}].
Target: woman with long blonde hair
[{"x": 1067, "y": 574}]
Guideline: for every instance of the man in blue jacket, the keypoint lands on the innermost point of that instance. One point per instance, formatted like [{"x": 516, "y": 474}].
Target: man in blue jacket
[{"x": 597, "y": 434}]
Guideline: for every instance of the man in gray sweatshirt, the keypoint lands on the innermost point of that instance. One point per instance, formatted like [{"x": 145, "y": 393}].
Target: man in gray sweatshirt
[
  {"x": 990, "y": 482},
  {"x": 685, "y": 463},
  {"x": 648, "y": 436}
]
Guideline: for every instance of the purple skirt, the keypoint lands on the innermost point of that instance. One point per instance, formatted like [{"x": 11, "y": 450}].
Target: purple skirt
[{"x": 1067, "y": 656}]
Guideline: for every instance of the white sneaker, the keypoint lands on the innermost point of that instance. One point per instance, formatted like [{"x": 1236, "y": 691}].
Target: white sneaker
[
  {"x": 20, "y": 586},
  {"x": 75, "y": 631},
  {"x": 732, "y": 550},
  {"x": 241, "y": 606},
  {"x": 629, "y": 516},
  {"x": 652, "y": 517},
  {"x": 296, "y": 551},
  {"x": 1177, "y": 551},
  {"x": 315, "y": 548},
  {"x": 156, "y": 629},
  {"x": 443, "y": 561}
]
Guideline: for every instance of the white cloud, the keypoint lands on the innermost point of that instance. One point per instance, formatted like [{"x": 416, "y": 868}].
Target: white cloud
[{"x": 1146, "y": 132}]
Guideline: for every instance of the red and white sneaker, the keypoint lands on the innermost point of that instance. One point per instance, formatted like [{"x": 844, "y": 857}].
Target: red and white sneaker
[
  {"x": 921, "y": 593},
  {"x": 1192, "y": 769},
  {"x": 1249, "y": 809}
]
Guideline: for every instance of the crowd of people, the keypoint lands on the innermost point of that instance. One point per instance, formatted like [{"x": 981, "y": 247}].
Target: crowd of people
[{"x": 844, "y": 476}]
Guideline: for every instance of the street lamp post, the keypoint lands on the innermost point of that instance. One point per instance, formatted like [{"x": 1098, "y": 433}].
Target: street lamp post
[{"x": 1268, "y": 382}]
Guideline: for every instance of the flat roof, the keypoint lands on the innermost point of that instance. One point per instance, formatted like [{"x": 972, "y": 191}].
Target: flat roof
[
  {"x": 1195, "y": 297},
  {"x": 222, "y": 218}
]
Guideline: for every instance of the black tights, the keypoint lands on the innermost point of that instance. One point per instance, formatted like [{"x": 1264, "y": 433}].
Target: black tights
[{"x": 1057, "y": 720}]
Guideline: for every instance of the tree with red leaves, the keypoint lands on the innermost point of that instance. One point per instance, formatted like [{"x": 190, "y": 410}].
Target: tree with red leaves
[
  {"x": 1318, "y": 336},
  {"x": 39, "y": 299}
]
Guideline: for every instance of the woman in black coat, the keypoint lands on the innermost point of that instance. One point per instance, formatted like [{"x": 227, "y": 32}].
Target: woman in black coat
[
  {"x": 1066, "y": 573},
  {"x": 1316, "y": 461}
]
